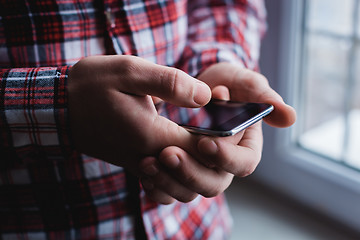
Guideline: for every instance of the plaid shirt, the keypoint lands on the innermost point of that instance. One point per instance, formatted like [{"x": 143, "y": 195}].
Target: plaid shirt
[{"x": 47, "y": 189}]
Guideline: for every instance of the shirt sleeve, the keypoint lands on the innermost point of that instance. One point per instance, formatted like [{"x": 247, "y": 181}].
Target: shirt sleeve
[
  {"x": 33, "y": 114},
  {"x": 223, "y": 31}
]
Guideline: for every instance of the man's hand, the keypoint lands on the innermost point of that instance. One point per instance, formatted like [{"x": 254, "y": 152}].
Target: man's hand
[
  {"x": 249, "y": 86},
  {"x": 177, "y": 175},
  {"x": 112, "y": 115}
]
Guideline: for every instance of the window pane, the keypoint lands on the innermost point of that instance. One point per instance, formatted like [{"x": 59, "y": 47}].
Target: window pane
[
  {"x": 330, "y": 15},
  {"x": 352, "y": 154},
  {"x": 330, "y": 119},
  {"x": 325, "y": 77},
  {"x": 326, "y": 73}
]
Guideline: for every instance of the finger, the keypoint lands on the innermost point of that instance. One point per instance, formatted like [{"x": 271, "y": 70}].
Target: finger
[
  {"x": 239, "y": 159},
  {"x": 283, "y": 115},
  {"x": 258, "y": 90},
  {"x": 167, "y": 83},
  {"x": 220, "y": 92},
  {"x": 156, "y": 177},
  {"x": 147, "y": 127},
  {"x": 194, "y": 175},
  {"x": 248, "y": 86},
  {"x": 170, "y": 186},
  {"x": 171, "y": 133},
  {"x": 154, "y": 193},
  {"x": 156, "y": 100},
  {"x": 148, "y": 167}
]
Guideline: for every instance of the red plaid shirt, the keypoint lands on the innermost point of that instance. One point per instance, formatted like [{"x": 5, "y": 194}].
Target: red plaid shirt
[{"x": 50, "y": 191}]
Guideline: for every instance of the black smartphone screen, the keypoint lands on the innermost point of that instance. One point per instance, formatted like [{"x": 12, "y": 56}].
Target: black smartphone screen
[{"x": 218, "y": 117}]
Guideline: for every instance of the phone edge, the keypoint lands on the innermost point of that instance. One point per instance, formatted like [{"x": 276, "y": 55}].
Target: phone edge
[{"x": 235, "y": 130}]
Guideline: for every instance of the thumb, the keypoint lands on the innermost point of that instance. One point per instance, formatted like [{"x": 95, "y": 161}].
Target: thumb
[{"x": 170, "y": 84}]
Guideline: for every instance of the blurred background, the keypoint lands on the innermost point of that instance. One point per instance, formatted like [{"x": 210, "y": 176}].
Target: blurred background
[{"x": 307, "y": 185}]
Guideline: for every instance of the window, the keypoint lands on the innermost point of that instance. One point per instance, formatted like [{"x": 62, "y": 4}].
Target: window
[
  {"x": 311, "y": 56},
  {"x": 330, "y": 103}
]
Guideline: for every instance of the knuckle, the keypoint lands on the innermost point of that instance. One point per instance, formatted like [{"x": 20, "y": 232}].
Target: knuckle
[
  {"x": 261, "y": 78},
  {"x": 254, "y": 79},
  {"x": 127, "y": 66},
  {"x": 251, "y": 82},
  {"x": 220, "y": 186},
  {"x": 166, "y": 200},
  {"x": 213, "y": 191},
  {"x": 248, "y": 170},
  {"x": 187, "y": 198},
  {"x": 159, "y": 196},
  {"x": 169, "y": 79}
]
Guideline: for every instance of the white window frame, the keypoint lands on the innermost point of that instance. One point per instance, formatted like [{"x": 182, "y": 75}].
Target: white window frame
[{"x": 325, "y": 186}]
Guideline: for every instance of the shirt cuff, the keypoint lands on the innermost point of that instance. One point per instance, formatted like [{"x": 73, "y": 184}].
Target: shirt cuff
[{"x": 34, "y": 113}]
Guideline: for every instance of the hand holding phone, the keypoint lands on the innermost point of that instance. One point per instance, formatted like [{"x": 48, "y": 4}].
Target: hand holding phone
[{"x": 219, "y": 117}]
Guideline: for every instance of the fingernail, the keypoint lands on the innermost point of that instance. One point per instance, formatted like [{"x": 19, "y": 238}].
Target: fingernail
[
  {"x": 208, "y": 146},
  {"x": 200, "y": 96},
  {"x": 172, "y": 161},
  {"x": 150, "y": 170}
]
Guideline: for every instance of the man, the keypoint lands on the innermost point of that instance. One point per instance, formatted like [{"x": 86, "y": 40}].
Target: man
[{"x": 75, "y": 139}]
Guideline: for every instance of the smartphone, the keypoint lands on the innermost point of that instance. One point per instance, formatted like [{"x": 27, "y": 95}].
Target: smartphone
[{"x": 217, "y": 118}]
